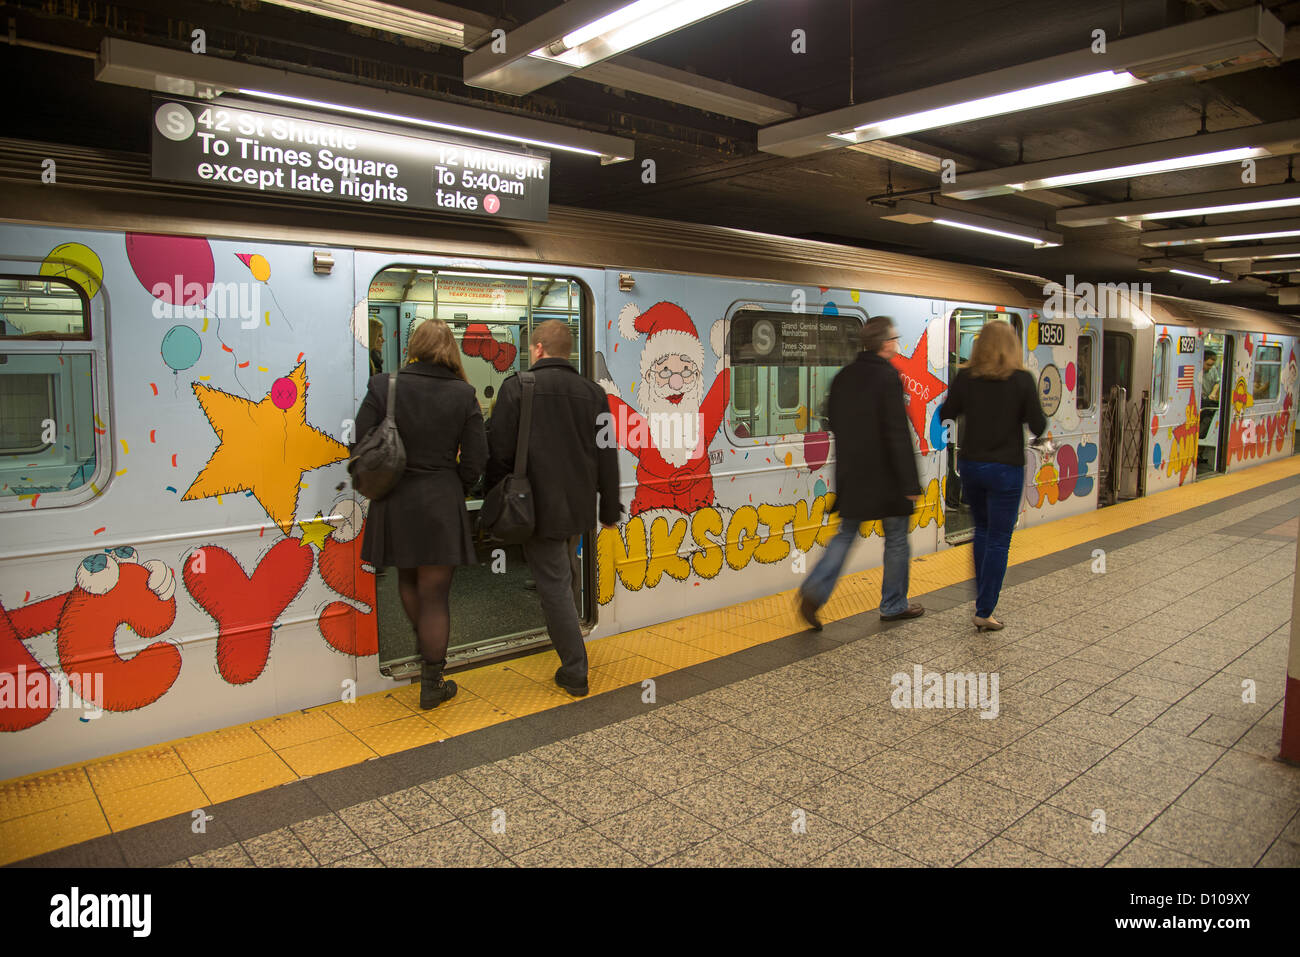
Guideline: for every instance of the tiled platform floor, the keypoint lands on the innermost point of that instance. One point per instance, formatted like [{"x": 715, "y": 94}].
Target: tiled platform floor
[{"x": 1121, "y": 694}]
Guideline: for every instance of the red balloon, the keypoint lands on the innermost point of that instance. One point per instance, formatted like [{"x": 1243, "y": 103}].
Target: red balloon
[{"x": 176, "y": 269}]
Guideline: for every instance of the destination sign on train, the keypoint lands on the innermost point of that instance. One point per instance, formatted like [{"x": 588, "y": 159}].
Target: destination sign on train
[
  {"x": 263, "y": 150},
  {"x": 759, "y": 337}
]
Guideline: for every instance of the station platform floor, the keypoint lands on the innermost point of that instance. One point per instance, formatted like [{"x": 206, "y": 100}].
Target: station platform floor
[{"x": 1125, "y": 732}]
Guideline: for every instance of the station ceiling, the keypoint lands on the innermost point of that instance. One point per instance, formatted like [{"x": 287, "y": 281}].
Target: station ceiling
[{"x": 707, "y": 166}]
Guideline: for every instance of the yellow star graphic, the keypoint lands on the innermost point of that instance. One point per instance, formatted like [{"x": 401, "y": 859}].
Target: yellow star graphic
[
  {"x": 265, "y": 446},
  {"x": 314, "y": 532}
]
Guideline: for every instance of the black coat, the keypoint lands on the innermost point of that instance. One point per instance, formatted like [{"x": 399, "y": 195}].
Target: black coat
[
  {"x": 565, "y": 467},
  {"x": 423, "y": 520},
  {"x": 875, "y": 462}
]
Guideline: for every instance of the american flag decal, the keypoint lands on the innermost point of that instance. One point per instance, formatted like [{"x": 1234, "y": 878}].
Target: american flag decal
[{"x": 1186, "y": 377}]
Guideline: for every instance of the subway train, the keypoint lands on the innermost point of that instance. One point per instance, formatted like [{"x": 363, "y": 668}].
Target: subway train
[{"x": 181, "y": 368}]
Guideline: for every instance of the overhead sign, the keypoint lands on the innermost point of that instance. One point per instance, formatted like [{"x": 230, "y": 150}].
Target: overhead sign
[
  {"x": 766, "y": 338},
  {"x": 265, "y": 150}
]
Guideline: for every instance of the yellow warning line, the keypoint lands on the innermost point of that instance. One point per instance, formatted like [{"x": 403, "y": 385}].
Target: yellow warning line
[{"x": 64, "y": 806}]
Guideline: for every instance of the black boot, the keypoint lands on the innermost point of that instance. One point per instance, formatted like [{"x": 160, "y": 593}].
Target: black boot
[{"x": 434, "y": 690}]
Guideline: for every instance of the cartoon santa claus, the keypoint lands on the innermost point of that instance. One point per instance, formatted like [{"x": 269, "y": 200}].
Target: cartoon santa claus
[{"x": 671, "y": 434}]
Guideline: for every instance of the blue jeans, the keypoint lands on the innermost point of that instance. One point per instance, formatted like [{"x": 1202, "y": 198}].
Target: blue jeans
[
  {"x": 898, "y": 554},
  {"x": 993, "y": 492}
]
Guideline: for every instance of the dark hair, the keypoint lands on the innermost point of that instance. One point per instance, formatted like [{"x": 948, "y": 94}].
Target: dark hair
[
  {"x": 1211, "y": 354},
  {"x": 555, "y": 338},
  {"x": 875, "y": 333}
]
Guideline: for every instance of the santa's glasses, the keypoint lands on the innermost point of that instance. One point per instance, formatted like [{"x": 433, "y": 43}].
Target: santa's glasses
[{"x": 663, "y": 375}]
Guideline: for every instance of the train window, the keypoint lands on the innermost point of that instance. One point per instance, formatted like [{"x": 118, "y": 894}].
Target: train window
[
  {"x": 1268, "y": 372},
  {"x": 782, "y": 365},
  {"x": 966, "y": 325},
  {"x": 1116, "y": 362},
  {"x": 1160, "y": 376},
  {"x": 1083, "y": 374},
  {"x": 44, "y": 308},
  {"x": 47, "y": 423}
]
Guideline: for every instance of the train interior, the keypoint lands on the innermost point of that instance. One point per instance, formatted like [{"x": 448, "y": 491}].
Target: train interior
[
  {"x": 1216, "y": 356},
  {"x": 47, "y": 427},
  {"x": 492, "y": 316}
]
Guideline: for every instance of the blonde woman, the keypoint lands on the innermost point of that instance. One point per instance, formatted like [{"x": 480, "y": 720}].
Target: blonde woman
[
  {"x": 422, "y": 526},
  {"x": 998, "y": 398}
]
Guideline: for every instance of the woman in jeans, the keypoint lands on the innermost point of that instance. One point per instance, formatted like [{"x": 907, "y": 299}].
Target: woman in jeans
[
  {"x": 422, "y": 526},
  {"x": 998, "y": 398}
]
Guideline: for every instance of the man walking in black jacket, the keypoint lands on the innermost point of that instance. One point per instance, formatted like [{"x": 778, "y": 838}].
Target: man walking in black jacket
[
  {"x": 875, "y": 473},
  {"x": 566, "y": 469}
]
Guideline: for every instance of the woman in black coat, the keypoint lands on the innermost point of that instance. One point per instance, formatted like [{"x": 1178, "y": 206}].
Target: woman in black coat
[
  {"x": 998, "y": 398},
  {"x": 422, "y": 526}
]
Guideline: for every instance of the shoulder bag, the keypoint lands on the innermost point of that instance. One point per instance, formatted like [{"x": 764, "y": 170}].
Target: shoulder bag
[
  {"x": 378, "y": 460},
  {"x": 507, "y": 514}
]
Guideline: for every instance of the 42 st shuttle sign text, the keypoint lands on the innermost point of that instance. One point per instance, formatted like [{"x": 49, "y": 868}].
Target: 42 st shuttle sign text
[{"x": 266, "y": 150}]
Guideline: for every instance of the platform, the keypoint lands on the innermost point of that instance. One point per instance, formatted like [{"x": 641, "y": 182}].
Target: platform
[{"x": 1122, "y": 736}]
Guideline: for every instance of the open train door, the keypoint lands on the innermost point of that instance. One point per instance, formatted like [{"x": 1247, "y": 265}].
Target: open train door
[
  {"x": 494, "y": 604},
  {"x": 1216, "y": 403}
]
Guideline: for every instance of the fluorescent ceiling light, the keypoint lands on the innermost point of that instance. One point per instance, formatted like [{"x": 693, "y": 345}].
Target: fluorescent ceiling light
[
  {"x": 1198, "y": 275},
  {"x": 185, "y": 74},
  {"x": 578, "y": 34},
  {"x": 1210, "y": 46},
  {"x": 1188, "y": 152},
  {"x": 1223, "y": 254},
  {"x": 387, "y": 17},
  {"x": 1173, "y": 207},
  {"x": 894, "y": 153},
  {"x": 912, "y": 213},
  {"x": 1030, "y": 98},
  {"x": 1235, "y": 232}
]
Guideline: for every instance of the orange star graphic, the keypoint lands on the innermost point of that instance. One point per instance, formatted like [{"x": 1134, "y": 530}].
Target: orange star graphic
[
  {"x": 264, "y": 449},
  {"x": 919, "y": 386}
]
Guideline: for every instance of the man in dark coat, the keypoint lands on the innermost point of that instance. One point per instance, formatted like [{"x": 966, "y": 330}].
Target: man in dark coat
[
  {"x": 875, "y": 473},
  {"x": 566, "y": 469}
]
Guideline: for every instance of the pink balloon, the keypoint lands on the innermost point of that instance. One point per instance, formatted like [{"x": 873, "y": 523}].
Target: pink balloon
[
  {"x": 284, "y": 393},
  {"x": 175, "y": 269},
  {"x": 1069, "y": 376}
]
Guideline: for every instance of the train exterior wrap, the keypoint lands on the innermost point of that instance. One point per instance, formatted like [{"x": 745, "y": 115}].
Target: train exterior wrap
[{"x": 186, "y": 537}]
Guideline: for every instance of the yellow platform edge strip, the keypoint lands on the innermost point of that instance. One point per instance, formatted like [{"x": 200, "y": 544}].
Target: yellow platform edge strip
[{"x": 60, "y": 807}]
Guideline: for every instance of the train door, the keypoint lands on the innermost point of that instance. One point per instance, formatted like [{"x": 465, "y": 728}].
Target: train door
[
  {"x": 1215, "y": 375},
  {"x": 964, "y": 324},
  {"x": 494, "y": 606},
  {"x": 783, "y": 399}
]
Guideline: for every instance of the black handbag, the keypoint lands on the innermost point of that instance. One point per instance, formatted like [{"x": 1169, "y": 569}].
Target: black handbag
[
  {"x": 507, "y": 514},
  {"x": 378, "y": 460}
]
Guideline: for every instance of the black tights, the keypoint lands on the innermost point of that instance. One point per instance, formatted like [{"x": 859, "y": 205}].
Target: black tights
[{"x": 425, "y": 592}]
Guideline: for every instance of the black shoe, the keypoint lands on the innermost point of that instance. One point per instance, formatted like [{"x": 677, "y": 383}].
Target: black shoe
[
  {"x": 808, "y": 612},
  {"x": 913, "y": 611},
  {"x": 434, "y": 689},
  {"x": 576, "y": 691}
]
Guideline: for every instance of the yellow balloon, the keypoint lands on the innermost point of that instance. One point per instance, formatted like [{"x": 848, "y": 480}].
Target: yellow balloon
[
  {"x": 260, "y": 268},
  {"x": 854, "y": 295},
  {"x": 77, "y": 263},
  {"x": 1031, "y": 335}
]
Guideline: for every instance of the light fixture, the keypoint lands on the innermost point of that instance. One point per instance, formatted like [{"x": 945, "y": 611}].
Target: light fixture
[
  {"x": 1173, "y": 207},
  {"x": 1235, "y": 232},
  {"x": 385, "y": 16},
  {"x": 1272, "y": 267},
  {"x": 1210, "y": 46},
  {"x": 1223, "y": 254},
  {"x": 1196, "y": 274},
  {"x": 578, "y": 34},
  {"x": 1188, "y": 152},
  {"x": 209, "y": 77},
  {"x": 912, "y": 213}
]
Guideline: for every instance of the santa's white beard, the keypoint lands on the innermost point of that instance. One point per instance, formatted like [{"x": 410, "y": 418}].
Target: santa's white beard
[{"x": 675, "y": 428}]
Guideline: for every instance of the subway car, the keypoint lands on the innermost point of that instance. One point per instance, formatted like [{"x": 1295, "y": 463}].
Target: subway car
[{"x": 181, "y": 368}]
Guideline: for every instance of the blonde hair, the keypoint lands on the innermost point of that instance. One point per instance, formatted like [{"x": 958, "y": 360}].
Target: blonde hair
[
  {"x": 433, "y": 341},
  {"x": 996, "y": 353}
]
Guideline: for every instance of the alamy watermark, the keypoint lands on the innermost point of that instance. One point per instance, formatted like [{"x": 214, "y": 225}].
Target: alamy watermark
[
  {"x": 39, "y": 689},
  {"x": 179, "y": 299},
  {"x": 1086, "y": 300},
  {"x": 929, "y": 689}
]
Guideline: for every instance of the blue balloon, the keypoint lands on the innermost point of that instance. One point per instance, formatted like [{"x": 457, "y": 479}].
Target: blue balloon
[
  {"x": 819, "y": 487},
  {"x": 1157, "y": 456},
  {"x": 830, "y": 309},
  {"x": 181, "y": 347}
]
